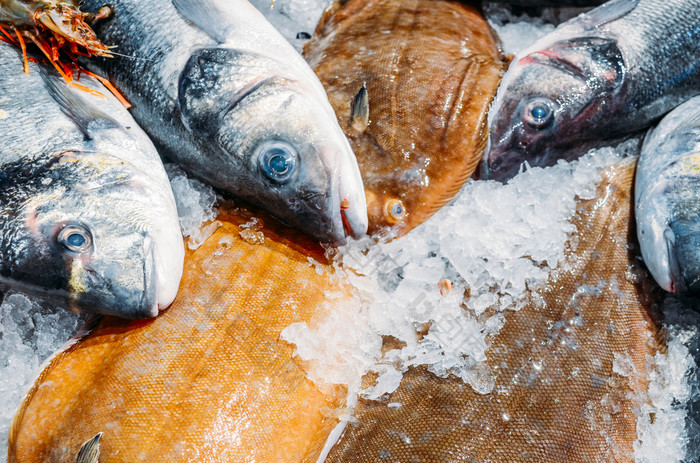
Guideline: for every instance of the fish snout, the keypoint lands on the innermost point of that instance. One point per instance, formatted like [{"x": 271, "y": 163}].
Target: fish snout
[{"x": 683, "y": 241}]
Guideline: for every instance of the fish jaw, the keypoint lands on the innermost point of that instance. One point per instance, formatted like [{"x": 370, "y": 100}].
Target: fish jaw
[{"x": 353, "y": 205}]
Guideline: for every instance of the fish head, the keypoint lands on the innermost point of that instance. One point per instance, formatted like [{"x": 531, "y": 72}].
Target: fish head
[
  {"x": 551, "y": 103},
  {"x": 668, "y": 220},
  {"x": 97, "y": 235},
  {"x": 289, "y": 154}
]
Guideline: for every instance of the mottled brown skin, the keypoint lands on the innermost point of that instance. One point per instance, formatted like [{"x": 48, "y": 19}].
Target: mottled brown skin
[
  {"x": 431, "y": 68},
  {"x": 552, "y": 402},
  {"x": 208, "y": 380}
]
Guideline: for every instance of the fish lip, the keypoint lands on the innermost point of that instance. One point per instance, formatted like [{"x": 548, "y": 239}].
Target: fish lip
[{"x": 150, "y": 280}]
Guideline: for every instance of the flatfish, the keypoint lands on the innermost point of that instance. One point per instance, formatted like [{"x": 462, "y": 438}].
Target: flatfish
[
  {"x": 410, "y": 82},
  {"x": 566, "y": 366}
]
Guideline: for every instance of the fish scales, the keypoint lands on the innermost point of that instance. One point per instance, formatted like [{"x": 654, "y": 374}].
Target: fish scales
[
  {"x": 87, "y": 216},
  {"x": 218, "y": 97},
  {"x": 430, "y": 69},
  {"x": 557, "y": 396},
  {"x": 207, "y": 380},
  {"x": 600, "y": 77}
]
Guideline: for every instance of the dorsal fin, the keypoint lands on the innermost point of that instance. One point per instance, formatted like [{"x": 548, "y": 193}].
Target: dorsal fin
[
  {"x": 360, "y": 110},
  {"x": 88, "y": 118},
  {"x": 90, "y": 450},
  {"x": 206, "y": 15},
  {"x": 605, "y": 13}
]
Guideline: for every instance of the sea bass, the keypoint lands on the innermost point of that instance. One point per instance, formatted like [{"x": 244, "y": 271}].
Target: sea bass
[
  {"x": 417, "y": 138},
  {"x": 235, "y": 105},
  {"x": 209, "y": 379},
  {"x": 597, "y": 78},
  {"x": 570, "y": 368},
  {"x": 87, "y": 216},
  {"x": 667, "y": 199}
]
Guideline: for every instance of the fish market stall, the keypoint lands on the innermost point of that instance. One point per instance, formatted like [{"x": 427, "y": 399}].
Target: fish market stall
[{"x": 436, "y": 303}]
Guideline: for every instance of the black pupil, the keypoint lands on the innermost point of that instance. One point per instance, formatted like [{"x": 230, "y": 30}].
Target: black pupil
[
  {"x": 397, "y": 209},
  {"x": 539, "y": 112},
  {"x": 76, "y": 239},
  {"x": 278, "y": 163}
]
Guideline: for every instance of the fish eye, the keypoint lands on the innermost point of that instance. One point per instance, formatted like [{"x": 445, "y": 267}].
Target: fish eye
[
  {"x": 538, "y": 113},
  {"x": 395, "y": 210},
  {"x": 277, "y": 161},
  {"x": 75, "y": 238}
]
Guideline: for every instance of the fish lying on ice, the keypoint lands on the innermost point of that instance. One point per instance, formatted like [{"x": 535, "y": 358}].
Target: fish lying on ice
[
  {"x": 207, "y": 380},
  {"x": 411, "y": 98},
  {"x": 667, "y": 199},
  {"x": 235, "y": 105},
  {"x": 87, "y": 216},
  {"x": 597, "y": 78},
  {"x": 550, "y": 3},
  {"x": 567, "y": 367}
]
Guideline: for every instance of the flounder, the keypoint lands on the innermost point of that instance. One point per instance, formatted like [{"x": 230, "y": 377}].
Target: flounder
[
  {"x": 410, "y": 82},
  {"x": 208, "y": 380},
  {"x": 557, "y": 396}
]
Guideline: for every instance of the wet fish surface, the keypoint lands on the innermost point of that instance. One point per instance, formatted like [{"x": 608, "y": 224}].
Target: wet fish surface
[
  {"x": 207, "y": 380},
  {"x": 427, "y": 72},
  {"x": 598, "y": 78},
  {"x": 235, "y": 105},
  {"x": 667, "y": 199},
  {"x": 549, "y": 3},
  {"x": 87, "y": 215},
  {"x": 557, "y": 395}
]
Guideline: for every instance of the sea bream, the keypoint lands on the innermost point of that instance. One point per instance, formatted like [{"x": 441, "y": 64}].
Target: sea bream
[
  {"x": 87, "y": 215},
  {"x": 600, "y": 77},
  {"x": 417, "y": 137},
  {"x": 667, "y": 200},
  {"x": 233, "y": 103}
]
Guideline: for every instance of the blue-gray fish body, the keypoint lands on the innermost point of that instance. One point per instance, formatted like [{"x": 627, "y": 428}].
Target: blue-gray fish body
[
  {"x": 597, "y": 78},
  {"x": 232, "y": 102},
  {"x": 87, "y": 216},
  {"x": 667, "y": 199}
]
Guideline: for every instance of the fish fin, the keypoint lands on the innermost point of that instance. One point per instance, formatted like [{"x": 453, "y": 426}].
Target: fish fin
[
  {"x": 85, "y": 116},
  {"x": 360, "y": 110},
  {"x": 90, "y": 450},
  {"x": 206, "y": 15},
  {"x": 605, "y": 13}
]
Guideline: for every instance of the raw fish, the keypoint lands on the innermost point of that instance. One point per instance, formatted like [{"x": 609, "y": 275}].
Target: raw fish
[
  {"x": 598, "y": 78},
  {"x": 421, "y": 75},
  {"x": 667, "y": 198},
  {"x": 570, "y": 368},
  {"x": 235, "y": 105},
  {"x": 209, "y": 379},
  {"x": 87, "y": 215}
]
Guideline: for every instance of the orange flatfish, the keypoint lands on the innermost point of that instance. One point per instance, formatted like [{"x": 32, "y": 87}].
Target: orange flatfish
[
  {"x": 207, "y": 380},
  {"x": 557, "y": 396},
  {"x": 410, "y": 82}
]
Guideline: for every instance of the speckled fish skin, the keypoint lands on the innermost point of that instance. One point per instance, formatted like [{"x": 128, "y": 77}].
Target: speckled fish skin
[
  {"x": 87, "y": 215},
  {"x": 208, "y": 380},
  {"x": 667, "y": 199},
  {"x": 219, "y": 89},
  {"x": 597, "y": 78},
  {"x": 425, "y": 135},
  {"x": 556, "y": 396}
]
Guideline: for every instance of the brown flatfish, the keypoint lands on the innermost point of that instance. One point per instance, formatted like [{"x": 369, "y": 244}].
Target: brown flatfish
[
  {"x": 207, "y": 380},
  {"x": 556, "y": 398},
  {"x": 418, "y": 126}
]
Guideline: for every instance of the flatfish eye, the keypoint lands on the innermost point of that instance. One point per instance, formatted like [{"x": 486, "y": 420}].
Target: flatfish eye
[
  {"x": 538, "y": 113},
  {"x": 277, "y": 161},
  {"x": 395, "y": 211},
  {"x": 75, "y": 238}
]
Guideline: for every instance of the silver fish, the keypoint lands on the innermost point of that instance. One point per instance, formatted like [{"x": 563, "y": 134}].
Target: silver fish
[
  {"x": 235, "y": 105},
  {"x": 667, "y": 200},
  {"x": 87, "y": 215},
  {"x": 597, "y": 78}
]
